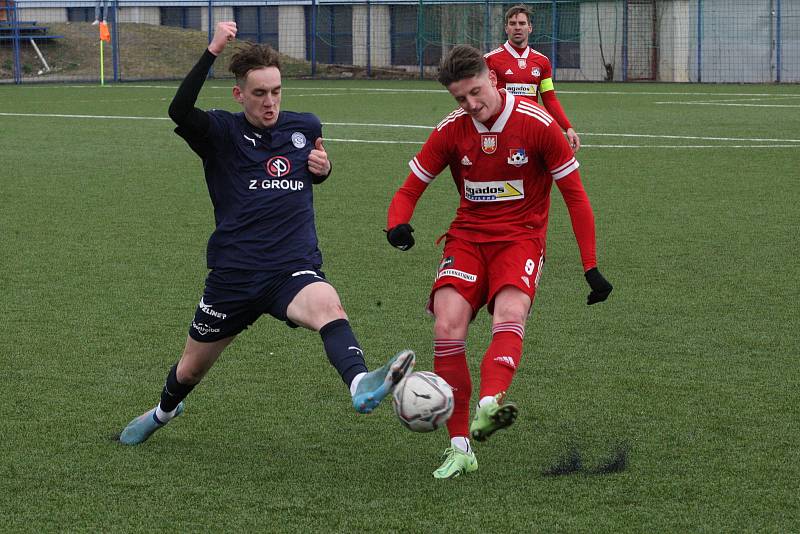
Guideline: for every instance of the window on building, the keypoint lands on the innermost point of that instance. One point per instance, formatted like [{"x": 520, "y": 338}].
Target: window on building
[
  {"x": 334, "y": 38},
  {"x": 80, "y": 14},
  {"x": 258, "y": 24},
  {"x": 181, "y": 17},
  {"x": 567, "y": 39},
  {"x": 86, "y": 14},
  {"x": 404, "y": 41}
]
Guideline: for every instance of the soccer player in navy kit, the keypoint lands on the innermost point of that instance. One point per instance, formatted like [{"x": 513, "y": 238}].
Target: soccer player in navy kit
[{"x": 260, "y": 165}]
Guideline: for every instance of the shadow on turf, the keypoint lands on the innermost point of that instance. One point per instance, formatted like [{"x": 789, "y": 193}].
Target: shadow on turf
[{"x": 571, "y": 462}]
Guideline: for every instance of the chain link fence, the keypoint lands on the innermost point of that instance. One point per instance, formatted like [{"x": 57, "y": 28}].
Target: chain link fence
[{"x": 743, "y": 41}]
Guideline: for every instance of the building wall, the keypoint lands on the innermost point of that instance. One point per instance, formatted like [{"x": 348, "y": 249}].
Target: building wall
[
  {"x": 292, "y": 44},
  {"x": 44, "y": 15},
  {"x": 379, "y": 45},
  {"x": 609, "y": 37},
  {"x": 673, "y": 41},
  {"x": 141, "y": 15},
  {"x": 220, "y": 14}
]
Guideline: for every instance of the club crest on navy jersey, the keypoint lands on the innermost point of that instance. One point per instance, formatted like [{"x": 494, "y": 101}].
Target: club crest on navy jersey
[{"x": 298, "y": 140}]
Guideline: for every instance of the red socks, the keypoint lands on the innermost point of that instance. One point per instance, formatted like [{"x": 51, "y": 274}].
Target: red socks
[
  {"x": 450, "y": 362},
  {"x": 502, "y": 358},
  {"x": 497, "y": 369}
]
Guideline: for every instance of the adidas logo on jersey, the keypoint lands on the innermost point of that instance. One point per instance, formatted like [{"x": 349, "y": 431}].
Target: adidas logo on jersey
[
  {"x": 509, "y": 71},
  {"x": 465, "y": 161}
]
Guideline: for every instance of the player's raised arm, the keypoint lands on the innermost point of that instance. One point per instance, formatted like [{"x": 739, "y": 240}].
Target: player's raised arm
[
  {"x": 224, "y": 33},
  {"x": 182, "y": 109}
]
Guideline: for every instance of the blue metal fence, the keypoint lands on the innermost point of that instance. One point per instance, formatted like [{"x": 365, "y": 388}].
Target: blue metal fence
[{"x": 622, "y": 40}]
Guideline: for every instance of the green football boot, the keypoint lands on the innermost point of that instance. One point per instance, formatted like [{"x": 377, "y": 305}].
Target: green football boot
[
  {"x": 492, "y": 417},
  {"x": 456, "y": 462}
]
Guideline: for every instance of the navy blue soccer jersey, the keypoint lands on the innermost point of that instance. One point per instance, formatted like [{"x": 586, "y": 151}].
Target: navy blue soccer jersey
[{"x": 261, "y": 190}]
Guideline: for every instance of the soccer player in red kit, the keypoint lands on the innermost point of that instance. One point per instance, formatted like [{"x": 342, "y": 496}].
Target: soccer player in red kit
[
  {"x": 523, "y": 71},
  {"x": 504, "y": 153}
]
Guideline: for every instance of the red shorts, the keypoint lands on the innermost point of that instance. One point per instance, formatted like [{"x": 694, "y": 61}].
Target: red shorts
[{"x": 478, "y": 271}]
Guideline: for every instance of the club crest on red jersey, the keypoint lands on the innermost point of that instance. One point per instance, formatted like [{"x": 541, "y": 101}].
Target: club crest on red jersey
[
  {"x": 489, "y": 143},
  {"x": 517, "y": 157},
  {"x": 522, "y": 63},
  {"x": 535, "y": 71}
]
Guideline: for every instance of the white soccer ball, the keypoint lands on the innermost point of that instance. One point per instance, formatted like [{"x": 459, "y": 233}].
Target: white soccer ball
[{"x": 423, "y": 401}]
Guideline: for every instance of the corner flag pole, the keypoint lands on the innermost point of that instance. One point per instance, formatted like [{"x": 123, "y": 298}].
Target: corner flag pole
[{"x": 105, "y": 35}]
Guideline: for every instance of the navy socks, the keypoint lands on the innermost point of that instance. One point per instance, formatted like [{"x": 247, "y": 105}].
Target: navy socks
[
  {"x": 174, "y": 392},
  {"x": 342, "y": 349}
]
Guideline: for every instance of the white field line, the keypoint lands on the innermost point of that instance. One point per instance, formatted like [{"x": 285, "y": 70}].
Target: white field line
[
  {"x": 361, "y": 92},
  {"x": 389, "y": 90},
  {"x": 781, "y": 142},
  {"x": 701, "y": 138},
  {"x": 375, "y": 141},
  {"x": 66, "y": 116},
  {"x": 730, "y": 104},
  {"x": 688, "y": 146},
  {"x": 771, "y": 97},
  {"x": 285, "y": 88}
]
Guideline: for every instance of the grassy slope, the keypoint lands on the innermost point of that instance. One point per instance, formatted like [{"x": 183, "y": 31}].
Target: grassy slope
[{"x": 146, "y": 52}]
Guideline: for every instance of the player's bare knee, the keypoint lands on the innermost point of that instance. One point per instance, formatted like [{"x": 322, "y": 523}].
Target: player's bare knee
[
  {"x": 511, "y": 311},
  {"x": 510, "y": 315},
  {"x": 449, "y": 328},
  {"x": 333, "y": 311}
]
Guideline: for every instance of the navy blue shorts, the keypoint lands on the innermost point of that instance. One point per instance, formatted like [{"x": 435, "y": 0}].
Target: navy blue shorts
[{"x": 234, "y": 299}]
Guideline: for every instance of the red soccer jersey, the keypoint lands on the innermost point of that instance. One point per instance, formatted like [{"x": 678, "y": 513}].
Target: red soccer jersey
[
  {"x": 519, "y": 74},
  {"x": 504, "y": 174}
]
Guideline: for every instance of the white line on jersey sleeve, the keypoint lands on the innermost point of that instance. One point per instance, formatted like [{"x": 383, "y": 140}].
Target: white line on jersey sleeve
[
  {"x": 450, "y": 118},
  {"x": 420, "y": 171},
  {"x": 563, "y": 170},
  {"x": 533, "y": 111},
  {"x": 493, "y": 52},
  {"x": 535, "y": 116}
]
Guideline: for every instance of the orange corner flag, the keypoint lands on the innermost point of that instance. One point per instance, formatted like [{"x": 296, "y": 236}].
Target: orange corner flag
[{"x": 104, "y": 33}]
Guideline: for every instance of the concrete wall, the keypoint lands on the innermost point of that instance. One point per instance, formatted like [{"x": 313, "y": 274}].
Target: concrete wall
[
  {"x": 43, "y": 14},
  {"x": 142, "y": 15},
  {"x": 220, "y": 14},
  {"x": 609, "y": 36},
  {"x": 292, "y": 44},
  {"x": 673, "y": 41},
  {"x": 379, "y": 45}
]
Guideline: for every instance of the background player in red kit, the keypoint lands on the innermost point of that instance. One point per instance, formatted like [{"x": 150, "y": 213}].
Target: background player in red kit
[
  {"x": 523, "y": 71},
  {"x": 504, "y": 153}
]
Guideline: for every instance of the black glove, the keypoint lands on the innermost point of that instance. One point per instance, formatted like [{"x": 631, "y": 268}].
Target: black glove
[
  {"x": 601, "y": 289},
  {"x": 400, "y": 236}
]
